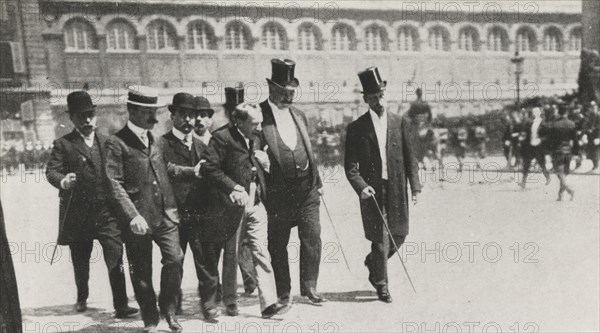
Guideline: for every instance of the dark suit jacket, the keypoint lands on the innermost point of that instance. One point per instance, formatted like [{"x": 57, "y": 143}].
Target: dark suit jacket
[
  {"x": 180, "y": 164},
  {"x": 139, "y": 184},
  {"x": 363, "y": 168},
  {"x": 70, "y": 155},
  {"x": 228, "y": 163},
  {"x": 268, "y": 136}
]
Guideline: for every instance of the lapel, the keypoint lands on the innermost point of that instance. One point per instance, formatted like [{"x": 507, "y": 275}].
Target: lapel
[
  {"x": 303, "y": 131},
  {"x": 177, "y": 146},
  {"x": 100, "y": 140},
  {"x": 127, "y": 135},
  {"x": 77, "y": 141},
  {"x": 235, "y": 134},
  {"x": 268, "y": 128},
  {"x": 393, "y": 135},
  {"x": 369, "y": 129}
]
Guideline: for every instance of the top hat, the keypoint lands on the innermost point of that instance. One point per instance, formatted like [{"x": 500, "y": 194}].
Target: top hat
[
  {"x": 183, "y": 101},
  {"x": 202, "y": 104},
  {"x": 282, "y": 73},
  {"x": 143, "y": 96},
  {"x": 371, "y": 81},
  {"x": 234, "y": 95},
  {"x": 79, "y": 101}
]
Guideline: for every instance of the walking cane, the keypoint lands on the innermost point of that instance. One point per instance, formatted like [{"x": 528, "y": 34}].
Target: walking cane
[
  {"x": 336, "y": 234},
  {"x": 387, "y": 228},
  {"x": 62, "y": 223}
]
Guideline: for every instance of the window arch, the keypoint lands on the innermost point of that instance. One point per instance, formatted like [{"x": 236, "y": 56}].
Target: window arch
[
  {"x": 309, "y": 38},
  {"x": 80, "y": 36},
  {"x": 161, "y": 36},
  {"x": 525, "y": 40},
  {"x": 201, "y": 36},
  {"x": 468, "y": 39},
  {"x": 408, "y": 38},
  {"x": 575, "y": 39},
  {"x": 376, "y": 38},
  {"x": 497, "y": 40},
  {"x": 439, "y": 39},
  {"x": 274, "y": 37},
  {"x": 238, "y": 37},
  {"x": 120, "y": 35},
  {"x": 343, "y": 38},
  {"x": 552, "y": 40}
]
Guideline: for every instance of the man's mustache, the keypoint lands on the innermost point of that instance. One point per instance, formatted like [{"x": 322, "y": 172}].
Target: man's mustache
[{"x": 152, "y": 121}]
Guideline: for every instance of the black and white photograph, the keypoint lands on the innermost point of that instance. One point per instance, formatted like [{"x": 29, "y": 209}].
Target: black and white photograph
[{"x": 299, "y": 166}]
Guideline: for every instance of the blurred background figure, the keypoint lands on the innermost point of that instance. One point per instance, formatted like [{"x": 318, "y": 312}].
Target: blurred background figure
[
  {"x": 10, "y": 308},
  {"x": 533, "y": 148}
]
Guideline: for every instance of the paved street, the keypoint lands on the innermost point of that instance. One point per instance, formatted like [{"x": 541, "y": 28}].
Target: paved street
[{"x": 483, "y": 255}]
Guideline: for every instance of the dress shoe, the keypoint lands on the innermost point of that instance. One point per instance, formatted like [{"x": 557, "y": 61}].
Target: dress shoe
[
  {"x": 248, "y": 291},
  {"x": 313, "y": 296},
  {"x": 125, "y": 312},
  {"x": 275, "y": 309},
  {"x": 80, "y": 306},
  {"x": 151, "y": 329},
  {"x": 210, "y": 314},
  {"x": 284, "y": 299},
  {"x": 232, "y": 310},
  {"x": 173, "y": 323},
  {"x": 384, "y": 295}
]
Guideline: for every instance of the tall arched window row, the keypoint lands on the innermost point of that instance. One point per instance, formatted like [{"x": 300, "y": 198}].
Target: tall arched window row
[
  {"x": 468, "y": 40},
  {"x": 575, "y": 39},
  {"x": 238, "y": 37},
  {"x": 439, "y": 39},
  {"x": 309, "y": 38},
  {"x": 497, "y": 40},
  {"x": 274, "y": 37},
  {"x": 525, "y": 40},
  {"x": 201, "y": 36},
  {"x": 161, "y": 36},
  {"x": 408, "y": 39},
  {"x": 120, "y": 36},
  {"x": 80, "y": 36},
  {"x": 343, "y": 38},
  {"x": 552, "y": 40},
  {"x": 375, "y": 38}
]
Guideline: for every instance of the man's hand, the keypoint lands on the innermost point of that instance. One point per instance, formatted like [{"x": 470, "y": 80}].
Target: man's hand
[
  {"x": 238, "y": 197},
  {"x": 198, "y": 168},
  {"x": 263, "y": 159},
  {"x": 69, "y": 180},
  {"x": 367, "y": 193},
  {"x": 138, "y": 225},
  {"x": 414, "y": 198},
  {"x": 507, "y": 143},
  {"x": 320, "y": 190}
]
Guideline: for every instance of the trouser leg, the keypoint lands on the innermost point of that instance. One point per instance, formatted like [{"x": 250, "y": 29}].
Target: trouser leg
[
  {"x": 139, "y": 254},
  {"x": 80, "y": 255},
  {"x": 167, "y": 239}
]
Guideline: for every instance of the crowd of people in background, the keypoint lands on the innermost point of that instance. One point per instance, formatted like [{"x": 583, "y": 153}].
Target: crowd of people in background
[{"x": 31, "y": 155}]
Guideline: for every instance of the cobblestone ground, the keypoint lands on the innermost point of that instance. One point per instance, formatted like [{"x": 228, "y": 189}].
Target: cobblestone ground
[{"x": 484, "y": 255}]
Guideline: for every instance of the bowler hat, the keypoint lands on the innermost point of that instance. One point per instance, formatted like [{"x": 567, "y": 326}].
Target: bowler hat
[
  {"x": 184, "y": 101},
  {"x": 143, "y": 96},
  {"x": 234, "y": 96},
  {"x": 79, "y": 101},
  {"x": 202, "y": 104},
  {"x": 371, "y": 81},
  {"x": 282, "y": 73}
]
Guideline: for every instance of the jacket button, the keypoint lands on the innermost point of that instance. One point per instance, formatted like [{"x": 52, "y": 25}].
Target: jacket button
[{"x": 154, "y": 182}]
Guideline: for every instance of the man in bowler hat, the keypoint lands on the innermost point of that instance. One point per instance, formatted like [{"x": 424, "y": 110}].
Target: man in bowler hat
[
  {"x": 76, "y": 169},
  {"x": 293, "y": 183},
  {"x": 380, "y": 162},
  {"x": 147, "y": 205}
]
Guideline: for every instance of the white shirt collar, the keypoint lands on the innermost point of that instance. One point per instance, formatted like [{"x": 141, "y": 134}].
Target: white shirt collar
[
  {"x": 136, "y": 129},
  {"x": 180, "y": 135},
  {"x": 205, "y": 138},
  {"x": 382, "y": 119},
  {"x": 91, "y": 136},
  {"x": 274, "y": 107},
  {"x": 243, "y": 136}
]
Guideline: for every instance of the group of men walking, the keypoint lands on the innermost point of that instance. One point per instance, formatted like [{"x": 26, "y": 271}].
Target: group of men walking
[{"x": 246, "y": 184}]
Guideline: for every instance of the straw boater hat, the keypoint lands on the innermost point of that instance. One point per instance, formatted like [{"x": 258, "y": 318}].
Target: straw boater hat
[{"x": 143, "y": 96}]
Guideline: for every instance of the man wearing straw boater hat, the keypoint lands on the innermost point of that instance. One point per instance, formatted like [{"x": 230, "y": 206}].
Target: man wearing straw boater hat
[
  {"x": 76, "y": 169},
  {"x": 147, "y": 206},
  {"x": 293, "y": 183},
  {"x": 379, "y": 162}
]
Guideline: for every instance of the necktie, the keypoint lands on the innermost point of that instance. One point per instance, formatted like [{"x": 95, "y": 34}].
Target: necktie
[
  {"x": 144, "y": 138},
  {"x": 187, "y": 141},
  {"x": 89, "y": 140}
]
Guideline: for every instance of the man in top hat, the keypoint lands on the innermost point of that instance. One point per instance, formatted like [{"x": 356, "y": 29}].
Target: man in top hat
[
  {"x": 182, "y": 150},
  {"x": 76, "y": 169},
  {"x": 147, "y": 205},
  {"x": 293, "y": 183},
  {"x": 380, "y": 162}
]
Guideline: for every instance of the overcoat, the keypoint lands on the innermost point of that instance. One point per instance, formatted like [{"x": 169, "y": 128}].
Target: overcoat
[
  {"x": 71, "y": 155},
  {"x": 363, "y": 166}
]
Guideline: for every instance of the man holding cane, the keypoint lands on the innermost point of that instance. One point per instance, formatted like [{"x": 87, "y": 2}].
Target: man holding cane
[{"x": 379, "y": 161}]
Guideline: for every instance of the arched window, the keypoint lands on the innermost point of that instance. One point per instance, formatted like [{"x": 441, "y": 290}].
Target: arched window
[
  {"x": 552, "y": 40},
  {"x": 238, "y": 37},
  {"x": 408, "y": 39},
  {"x": 274, "y": 37},
  {"x": 497, "y": 40},
  {"x": 201, "y": 36},
  {"x": 80, "y": 36},
  {"x": 575, "y": 39},
  {"x": 525, "y": 41},
  {"x": 120, "y": 35},
  {"x": 439, "y": 39},
  {"x": 375, "y": 38},
  {"x": 468, "y": 39},
  {"x": 343, "y": 38},
  {"x": 161, "y": 36},
  {"x": 309, "y": 38}
]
